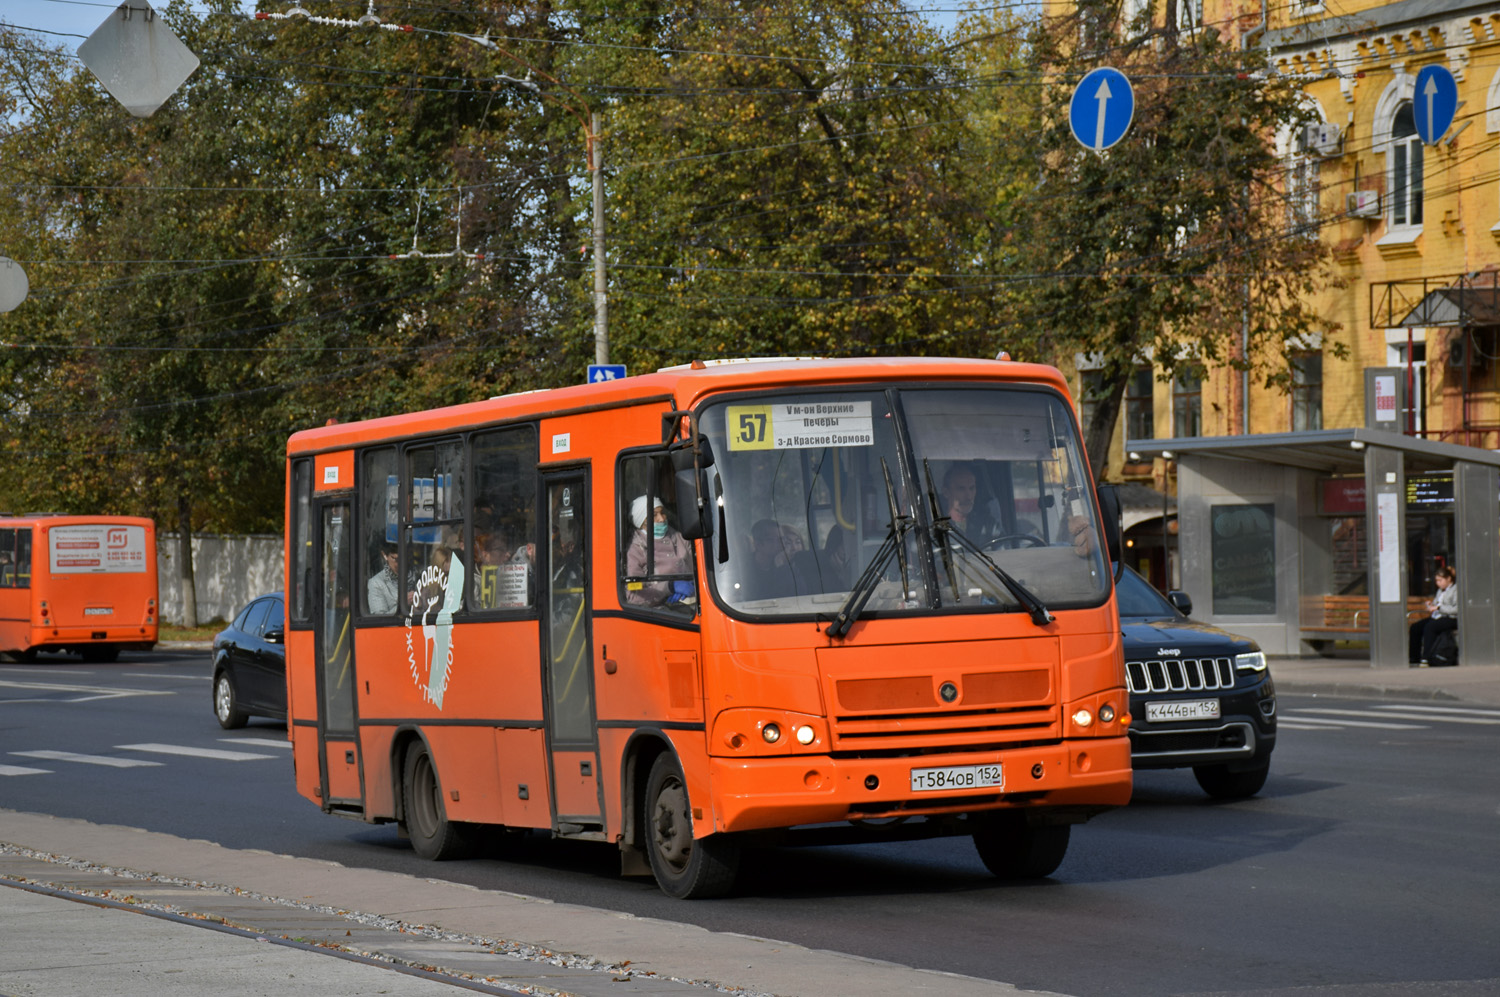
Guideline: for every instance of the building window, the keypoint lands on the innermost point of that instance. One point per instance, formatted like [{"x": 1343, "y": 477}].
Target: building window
[
  {"x": 1302, "y": 182},
  {"x": 1139, "y": 412},
  {"x": 1187, "y": 404},
  {"x": 1090, "y": 389},
  {"x": 1307, "y": 391},
  {"x": 1406, "y": 170}
]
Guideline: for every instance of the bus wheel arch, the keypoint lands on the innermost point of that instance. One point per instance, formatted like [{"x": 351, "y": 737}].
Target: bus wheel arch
[
  {"x": 641, "y": 752},
  {"x": 685, "y": 867},
  {"x": 433, "y": 836}
]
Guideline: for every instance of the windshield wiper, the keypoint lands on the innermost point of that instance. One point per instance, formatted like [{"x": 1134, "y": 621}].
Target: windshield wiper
[
  {"x": 948, "y": 534},
  {"x": 894, "y": 546}
]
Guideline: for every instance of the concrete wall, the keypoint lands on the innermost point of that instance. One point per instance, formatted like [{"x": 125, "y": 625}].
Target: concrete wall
[{"x": 229, "y": 572}]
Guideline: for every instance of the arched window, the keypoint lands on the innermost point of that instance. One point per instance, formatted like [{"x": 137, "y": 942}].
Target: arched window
[{"x": 1405, "y": 170}]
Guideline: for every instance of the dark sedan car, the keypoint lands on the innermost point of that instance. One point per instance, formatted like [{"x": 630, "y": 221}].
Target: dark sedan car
[
  {"x": 1199, "y": 696},
  {"x": 250, "y": 664}
]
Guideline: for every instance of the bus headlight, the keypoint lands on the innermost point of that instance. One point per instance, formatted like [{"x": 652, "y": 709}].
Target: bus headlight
[
  {"x": 1083, "y": 718},
  {"x": 805, "y": 734},
  {"x": 771, "y": 732}
]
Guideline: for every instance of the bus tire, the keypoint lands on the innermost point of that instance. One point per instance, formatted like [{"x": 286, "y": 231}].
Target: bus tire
[
  {"x": 226, "y": 703},
  {"x": 25, "y": 657},
  {"x": 433, "y": 836},
  {"x": 686, "y": 868},
  {"x": 1012, "y": 847},
  {"x": 100, "y": 654}
]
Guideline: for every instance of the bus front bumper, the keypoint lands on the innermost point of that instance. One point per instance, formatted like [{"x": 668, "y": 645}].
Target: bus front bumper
[{"x": 760, "y": 793}]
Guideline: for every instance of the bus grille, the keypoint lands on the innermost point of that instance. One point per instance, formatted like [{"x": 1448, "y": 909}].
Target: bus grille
[
  {"x": 1180, "y": 675},
  {"x": 946, "y": 729}
]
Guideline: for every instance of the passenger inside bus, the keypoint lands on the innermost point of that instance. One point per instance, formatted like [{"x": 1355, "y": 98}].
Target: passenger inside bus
[
  {"x": 671, "y": 554},
  {"x": 382, "y": 591}
]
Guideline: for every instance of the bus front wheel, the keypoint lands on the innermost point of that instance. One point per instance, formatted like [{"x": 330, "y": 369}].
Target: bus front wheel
[
  {"x": 1012, "y": 847},
  {"x": 433, "y": 835},
  {"x": 685, "y": 867}
]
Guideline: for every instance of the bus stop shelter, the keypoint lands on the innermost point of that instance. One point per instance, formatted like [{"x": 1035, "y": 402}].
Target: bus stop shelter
[{"x": 1300, "y": 540}]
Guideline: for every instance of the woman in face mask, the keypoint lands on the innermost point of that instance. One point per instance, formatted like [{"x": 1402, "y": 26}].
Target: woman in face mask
[{"x": 669, "y": 552}]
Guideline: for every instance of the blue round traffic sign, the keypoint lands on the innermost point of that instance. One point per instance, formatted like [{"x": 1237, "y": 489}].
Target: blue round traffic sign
[
  {"x": 1102, "y": 107},
  {"x": 1434, "y": 102}
]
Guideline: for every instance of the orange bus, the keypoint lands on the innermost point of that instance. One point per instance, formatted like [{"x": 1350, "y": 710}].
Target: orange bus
[
  {"x": 719, "y": 605},
  {"x": 81, "y": 584}
]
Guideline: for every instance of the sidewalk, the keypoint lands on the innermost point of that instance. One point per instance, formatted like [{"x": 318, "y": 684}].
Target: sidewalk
[
  {"x": 1479, "y": 684},
  {"x": 96, "y": 908}
]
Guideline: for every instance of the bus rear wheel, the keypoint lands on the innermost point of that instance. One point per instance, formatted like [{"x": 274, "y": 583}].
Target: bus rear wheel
[
  {"x": 686, "y": 868},
  {"x": 100, "y": 654},
  {"x": 1012, "y": 847},
  {"x": 433, "y": 835}
]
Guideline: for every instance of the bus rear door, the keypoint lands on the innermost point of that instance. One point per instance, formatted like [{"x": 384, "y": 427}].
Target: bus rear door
[{"x": 333, "y": 637}]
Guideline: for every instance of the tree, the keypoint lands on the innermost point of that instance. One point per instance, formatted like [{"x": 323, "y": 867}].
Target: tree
[{"x": 1172, "y": 247}]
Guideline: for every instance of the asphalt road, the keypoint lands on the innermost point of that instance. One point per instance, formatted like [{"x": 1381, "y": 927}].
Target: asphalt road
[{"x": 1370, "y": 859}]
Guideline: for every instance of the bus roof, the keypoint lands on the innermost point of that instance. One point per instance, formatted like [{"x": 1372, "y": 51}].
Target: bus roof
[
  {"x": 675, "y": 386},
  {"x": 12, "y": 520}
]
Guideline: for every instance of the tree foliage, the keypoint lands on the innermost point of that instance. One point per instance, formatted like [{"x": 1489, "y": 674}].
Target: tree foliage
[
  {"x": 330, "y": 223},
  {"x": 1174, "y": 246}
]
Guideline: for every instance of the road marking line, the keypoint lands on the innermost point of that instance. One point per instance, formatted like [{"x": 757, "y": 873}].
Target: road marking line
[
  {"x": 182, "y": 749},
  {"x": 260, "y": 741},
  {"x": 69, "y": 756},
  {"x": 1304, "y": 725},
  {"x": 1440, "y": 709},
  {"x": 167, "y": 675},
  {"x": 99, "y": 692},
  {"x": 22, "y": 770},
  {"x": 1391, "y": 712},
  {"x": 1363, "y": 723}
]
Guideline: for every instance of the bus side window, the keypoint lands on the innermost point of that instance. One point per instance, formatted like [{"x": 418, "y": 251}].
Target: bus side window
[
  {"x": 7, "y": 558},
  {"x": 656, "y": 563},
  {"x": 23, "y": 559},
  {"x": 379, "y": 485},
  {"x": 299, "y": 598},
  {"x": 433, "y": 510},
  {"x": 504, "y": 519}
]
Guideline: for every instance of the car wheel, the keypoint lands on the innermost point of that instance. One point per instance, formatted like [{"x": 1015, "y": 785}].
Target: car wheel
[
  {"x": 1012, "y": 847},
  {"x": 686, "y": 868},
  {"x": 1220, "y": 783},
  {"x": 226, "y": 703},
  {"x": 433, "y": 835}
]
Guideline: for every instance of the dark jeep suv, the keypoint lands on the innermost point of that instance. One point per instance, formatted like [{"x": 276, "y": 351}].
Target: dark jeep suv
[{"x": 1199, "y": 696}]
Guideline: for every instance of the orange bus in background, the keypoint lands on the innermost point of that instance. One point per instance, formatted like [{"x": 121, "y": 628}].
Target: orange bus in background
[
  {"x": 80, "y": 584},
  {"x": 721, "y": 604}
]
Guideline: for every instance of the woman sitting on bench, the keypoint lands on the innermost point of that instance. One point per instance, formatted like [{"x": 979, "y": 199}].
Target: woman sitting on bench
[{"x": 1444, "y": 617}]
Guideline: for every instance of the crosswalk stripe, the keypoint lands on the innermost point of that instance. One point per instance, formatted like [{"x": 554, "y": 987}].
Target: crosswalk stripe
[
  {"x": 69, "y": 756},
  {"x": 1363, "y": 723},
  {"x": 258, "y": 741},
  {"x": 218, "y": 754},
  {"x": 1403, "y": 715},
  {"x": 1460, "y": 710},
  {"x": 22, "y": 770}
]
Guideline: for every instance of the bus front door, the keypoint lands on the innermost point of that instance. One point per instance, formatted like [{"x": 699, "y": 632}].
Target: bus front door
[
  {"x": 567, "y": 653},
  {"x": 333, "y": 625}
]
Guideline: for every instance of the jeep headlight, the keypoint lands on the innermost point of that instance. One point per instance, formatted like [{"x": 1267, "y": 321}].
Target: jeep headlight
[{"x": 1255, "y": 661}]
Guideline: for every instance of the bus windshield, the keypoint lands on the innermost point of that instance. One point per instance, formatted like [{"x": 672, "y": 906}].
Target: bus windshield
[{"x": 974, "y": 479}]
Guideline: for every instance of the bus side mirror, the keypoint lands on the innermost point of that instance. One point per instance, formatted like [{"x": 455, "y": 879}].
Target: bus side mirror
[
  {"x": 690, "y": 480},
  {"x": 1109, "y": 509},
  {"x": 690, "y": 485}
]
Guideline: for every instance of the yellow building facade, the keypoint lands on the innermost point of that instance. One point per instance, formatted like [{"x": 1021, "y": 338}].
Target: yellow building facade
[{"x": 1413, "y": 227}]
